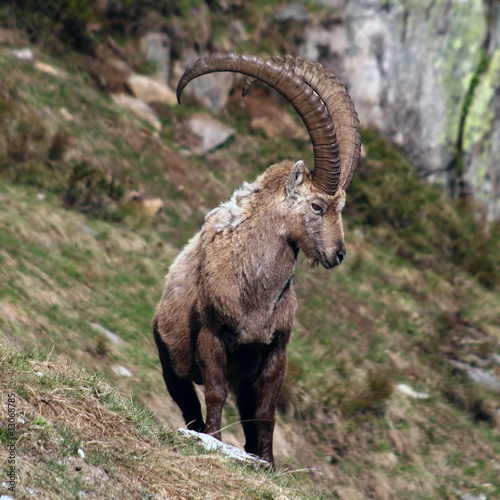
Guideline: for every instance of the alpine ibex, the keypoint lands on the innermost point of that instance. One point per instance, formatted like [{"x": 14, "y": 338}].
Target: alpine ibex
[{"x": 228, "y": 306}]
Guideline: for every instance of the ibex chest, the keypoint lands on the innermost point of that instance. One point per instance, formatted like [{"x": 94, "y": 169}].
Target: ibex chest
[{"x": 252, "y": 296}]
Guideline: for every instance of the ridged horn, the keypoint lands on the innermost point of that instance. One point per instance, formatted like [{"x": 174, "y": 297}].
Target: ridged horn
[
  {"x": 339, "y": 104},
  {"x": 291, "y": 86}
]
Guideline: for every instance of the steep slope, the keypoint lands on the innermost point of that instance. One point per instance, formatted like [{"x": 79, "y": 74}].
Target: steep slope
[
  {"x": 415, "y": 303},
  {"x": 74, "y": 436}
]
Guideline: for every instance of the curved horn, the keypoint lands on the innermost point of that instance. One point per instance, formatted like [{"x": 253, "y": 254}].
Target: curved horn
[
  {"x": 339, "y": 104},
  {"x": 303, "y": 98}
]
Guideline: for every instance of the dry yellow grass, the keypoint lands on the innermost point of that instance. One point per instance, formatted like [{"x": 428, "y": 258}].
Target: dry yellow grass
[{"x": 60, "y": 411}]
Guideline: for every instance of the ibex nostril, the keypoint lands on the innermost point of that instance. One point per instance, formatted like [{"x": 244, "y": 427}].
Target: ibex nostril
[{"x": 341, "y": 252}]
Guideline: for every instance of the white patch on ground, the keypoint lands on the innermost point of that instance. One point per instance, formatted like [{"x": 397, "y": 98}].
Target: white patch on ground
[
  {"x": 121, "y": 371},
  {"x": 408, "y": 391},
  {"x": 112, "y": 337},
  {"x": 212, "y": 444},
  {"x": 478, "y": 375}
]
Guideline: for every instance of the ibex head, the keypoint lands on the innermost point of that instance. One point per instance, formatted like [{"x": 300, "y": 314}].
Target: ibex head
[
  {"x": 315, "y": 218},
  {"x": 315, "y": 199}
]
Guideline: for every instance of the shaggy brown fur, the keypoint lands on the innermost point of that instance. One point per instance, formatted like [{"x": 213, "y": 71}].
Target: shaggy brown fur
[{"x": 229, "y": 301}]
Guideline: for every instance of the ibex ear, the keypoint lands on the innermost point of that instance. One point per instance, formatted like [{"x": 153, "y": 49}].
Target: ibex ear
[{"x": 296, "y": 177}]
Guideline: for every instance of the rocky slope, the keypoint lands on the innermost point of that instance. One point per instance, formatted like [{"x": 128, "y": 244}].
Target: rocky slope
[{"x": 392, "y": 385}]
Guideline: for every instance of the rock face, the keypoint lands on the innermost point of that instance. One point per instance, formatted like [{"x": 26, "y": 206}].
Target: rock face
[
  {"x": 482, "y": 129},
  {"x": 427, "y": 75}
]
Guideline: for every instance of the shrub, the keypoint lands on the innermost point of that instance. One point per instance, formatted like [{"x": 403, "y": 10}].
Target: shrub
[
  {"x": 422, "y": 222},
  {"x": 59, "y": 20}
]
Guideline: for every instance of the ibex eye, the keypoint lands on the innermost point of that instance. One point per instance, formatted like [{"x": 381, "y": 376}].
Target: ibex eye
[{"x": 317, "y": 208}]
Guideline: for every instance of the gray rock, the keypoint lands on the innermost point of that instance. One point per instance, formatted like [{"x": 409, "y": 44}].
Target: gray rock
[
  {"x": 149, "y": 90},
  {"x": 326, "y": 44},
  {"x": 210, "y": 91},
  {"x": 205, "y": 133},
  {"x": 482, "y": 132},
  {"x": 484, "y": 378},
  {"x": 478, "y": 375},
  {"x": 212, "y": 444},
  {"x": 238, "y": 31},
  {"x": 405, "y": 84},
  {"x": 138, "y": 108},
  {"x": 112, "y": 337},
  {"x": 293, "y": 12},
  {"x": 156, "y": 47}
]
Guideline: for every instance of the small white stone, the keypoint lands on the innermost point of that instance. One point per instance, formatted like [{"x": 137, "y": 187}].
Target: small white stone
[
  {"x": 112, "y": 337},
  {"x": 121, "y": 371},
  {"x": 24, "y": 54},
  {"x": 48, "y": 69},
  {"x": 39, "y": 374},
  {"x": 408, "y": 391},
  {"x": 81, "y": 453},
  {"x": 66, "y": 115}
]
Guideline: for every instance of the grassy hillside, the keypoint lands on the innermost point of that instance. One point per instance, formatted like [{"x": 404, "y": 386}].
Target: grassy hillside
[
  {"x": 79, "y": 437},
  {"x": 418, "y": 292}
]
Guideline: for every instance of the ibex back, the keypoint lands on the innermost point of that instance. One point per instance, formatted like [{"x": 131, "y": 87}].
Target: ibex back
[{"x": 229, "y": 301}]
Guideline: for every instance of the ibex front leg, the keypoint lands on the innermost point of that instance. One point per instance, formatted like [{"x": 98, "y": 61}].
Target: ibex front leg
[
  {"x": 212, "y": 360},
  {"x": 266, "y": 390}
]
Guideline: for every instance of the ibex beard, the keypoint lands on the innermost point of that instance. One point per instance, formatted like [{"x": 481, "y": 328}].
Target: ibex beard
[{"x": 229, "y": 301}]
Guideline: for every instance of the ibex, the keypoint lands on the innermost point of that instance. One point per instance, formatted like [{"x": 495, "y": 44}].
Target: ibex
[{"x": 228, "y": 305}]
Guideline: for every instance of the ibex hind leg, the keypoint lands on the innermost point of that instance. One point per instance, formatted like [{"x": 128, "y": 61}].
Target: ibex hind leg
[{"x": 181, "y": 390}]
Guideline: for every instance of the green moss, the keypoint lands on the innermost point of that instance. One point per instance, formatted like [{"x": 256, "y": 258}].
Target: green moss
[
  {"x": 469, "y": 98},
  {"x": 462, "y": 54},
  {"x": 478, "y": 124}
]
